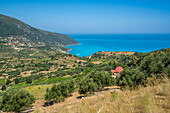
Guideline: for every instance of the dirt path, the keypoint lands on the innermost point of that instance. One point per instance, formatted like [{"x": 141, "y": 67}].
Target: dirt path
[{"x": 97, "y": 62}]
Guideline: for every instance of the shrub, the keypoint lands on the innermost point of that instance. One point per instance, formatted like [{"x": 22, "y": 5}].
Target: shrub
[
  {"x": 15, "y": 100},
  {"x": 8, "y": 82},
  {"x": 87, "y": 85},
  {"x": 168, "y": 71},
  {"x": 95, "y": 81},
  {"x": 16, "y": 81},
  {"x": 59, "y": 92},
  {"x": 3, "y": 88},
  {"x": 28, "y": 80},
  {"x": 90, "y": 65}
]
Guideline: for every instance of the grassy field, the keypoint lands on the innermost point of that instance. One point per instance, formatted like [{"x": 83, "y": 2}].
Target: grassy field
[
  {"x": 38, "y": 91},
  {"x": 151, "y": 99},
  {"x": 2, "y": 81}
]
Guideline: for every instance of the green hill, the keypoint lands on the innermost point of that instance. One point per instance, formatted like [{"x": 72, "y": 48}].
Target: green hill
[{"x": 12, "y": 27}]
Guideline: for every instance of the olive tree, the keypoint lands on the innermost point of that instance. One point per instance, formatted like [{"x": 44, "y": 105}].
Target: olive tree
[
  {"x": 96, "y": 80},
  {"x": 61, "y": 91},
  {"x": 15, "y": 100}
]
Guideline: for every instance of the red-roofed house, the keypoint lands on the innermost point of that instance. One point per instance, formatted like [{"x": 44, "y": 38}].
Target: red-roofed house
[{"x": 118, "y": 70}]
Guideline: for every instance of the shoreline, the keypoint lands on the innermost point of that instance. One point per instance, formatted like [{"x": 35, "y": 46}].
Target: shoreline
[
  {"x": 113, "y": 53},
  {"x": 125, "y": 52},
  {"x": 69, "y": 49},
  {"x": 72, "y": 44}
]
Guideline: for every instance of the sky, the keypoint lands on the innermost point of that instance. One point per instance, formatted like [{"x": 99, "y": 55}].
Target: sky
[{"x": 92, "y": 16}]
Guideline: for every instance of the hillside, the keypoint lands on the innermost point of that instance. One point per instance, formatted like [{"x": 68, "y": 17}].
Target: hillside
[
  {"x": 64, "y": 79},
  {"x": 20, "y": 40},
  {"x": 12, "y": 27}
]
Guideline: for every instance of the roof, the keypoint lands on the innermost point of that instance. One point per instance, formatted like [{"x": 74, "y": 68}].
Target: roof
[{"x": 118, "y": 69}]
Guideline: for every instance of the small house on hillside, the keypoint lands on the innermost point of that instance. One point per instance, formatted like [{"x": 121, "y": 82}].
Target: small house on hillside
[{"x": 118, "y": 70}]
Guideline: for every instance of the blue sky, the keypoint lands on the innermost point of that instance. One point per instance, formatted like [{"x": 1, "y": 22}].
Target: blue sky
[{"x": 92, "y": 16}]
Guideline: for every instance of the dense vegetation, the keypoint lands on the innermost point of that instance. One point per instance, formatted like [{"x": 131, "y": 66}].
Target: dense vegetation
[
  {"x": 156, "y": 65},
  {"x": 135, "y": 73},
  {"x": 96, "y": 80},
  {"x": 56, "y": 77},
  {"x": 16, "y": 100},
  {"x": 59, "y": 92}
]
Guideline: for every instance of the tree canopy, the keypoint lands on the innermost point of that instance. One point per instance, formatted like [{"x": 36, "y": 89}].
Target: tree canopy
[{"x": 15, "y": 100}]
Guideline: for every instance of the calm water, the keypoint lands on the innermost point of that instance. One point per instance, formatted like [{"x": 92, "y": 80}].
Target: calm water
[{"x": 138, "y": 43}]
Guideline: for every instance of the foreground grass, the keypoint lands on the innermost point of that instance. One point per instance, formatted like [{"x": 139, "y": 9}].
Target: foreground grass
[{"x": 151, "y": 99}]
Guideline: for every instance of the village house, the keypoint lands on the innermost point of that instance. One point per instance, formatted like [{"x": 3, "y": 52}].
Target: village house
[
  {"x": 9, "y": 43},
  {"x": 117, "y": 71}
]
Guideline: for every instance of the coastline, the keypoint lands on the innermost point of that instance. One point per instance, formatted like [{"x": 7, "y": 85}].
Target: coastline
[
  {"x": 113, "y": 53},
  {"x": 91, "y": 44},
  {"x": 125, "y": 52},
  {"x": 72, "y": 44},
  {"x": 69, "y": 49}
]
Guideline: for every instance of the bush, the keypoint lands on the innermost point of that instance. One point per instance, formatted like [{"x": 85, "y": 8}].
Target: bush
[
  {"x": 95, "y": 81},
  {"x": 168, "y": 71},
  {"x": 15, "y": 100},
  {"x": 16, "y": 81},
  {"x": 28, "y": 80},
  {"x": 3, "y": 88},
  {"x": 131, "y": 77},
  {"x": 59, "y": 92},
  {"x": 8, "y": 82},
  {"x": 90, "y": 65},
  {"x": 87, "y": 85}
]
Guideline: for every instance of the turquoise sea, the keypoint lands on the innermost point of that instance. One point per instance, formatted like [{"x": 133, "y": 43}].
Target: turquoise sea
[{"x": 126, "y": 42}]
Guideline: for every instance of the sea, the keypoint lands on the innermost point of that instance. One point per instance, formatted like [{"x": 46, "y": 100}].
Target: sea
[{"x": 90, "y": 44}]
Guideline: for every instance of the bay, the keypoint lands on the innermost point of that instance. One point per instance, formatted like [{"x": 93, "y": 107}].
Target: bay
[{"x": 90, "y": 44}]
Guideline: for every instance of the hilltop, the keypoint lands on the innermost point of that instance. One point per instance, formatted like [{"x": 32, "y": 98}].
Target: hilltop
[
  {"x": 21, "y": 40},
  {"x": 12, "y": 27}
]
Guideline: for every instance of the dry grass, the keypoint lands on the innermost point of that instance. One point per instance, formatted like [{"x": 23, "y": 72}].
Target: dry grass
[
  {"x": 97, "y": 62},
  {"x": 26, "y": 74},
  {"x": 151, "y": 99}
]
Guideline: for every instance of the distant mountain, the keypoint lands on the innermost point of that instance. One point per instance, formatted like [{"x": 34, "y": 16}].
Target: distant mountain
[{"x": 12, "y": 27}]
